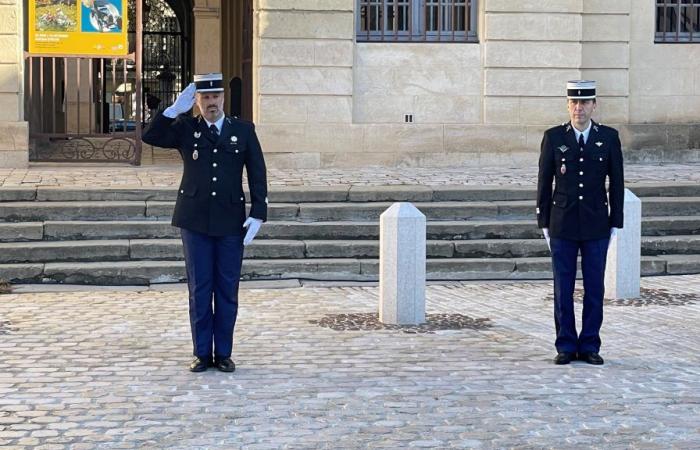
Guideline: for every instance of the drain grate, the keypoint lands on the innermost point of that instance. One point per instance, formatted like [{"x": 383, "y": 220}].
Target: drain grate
[
  {"x": 647, "y": 297},
  {"x": 370, "y": 322}
]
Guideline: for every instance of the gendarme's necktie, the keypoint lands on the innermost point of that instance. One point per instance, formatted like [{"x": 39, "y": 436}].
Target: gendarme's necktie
[
  {"x": 581, "y": 143},
  {"x": 213, "y": 129}
]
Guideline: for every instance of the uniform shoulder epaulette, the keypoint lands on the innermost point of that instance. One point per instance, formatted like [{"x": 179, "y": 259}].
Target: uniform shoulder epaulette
[
  {"x": 236, "y": 119},
  {"x": 605, "y": 127}
]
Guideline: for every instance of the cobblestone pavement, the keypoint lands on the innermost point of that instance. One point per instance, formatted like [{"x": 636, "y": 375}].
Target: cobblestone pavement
[
  {"x": 169, "y": 175},
  {"x": 107, "y": 369}
]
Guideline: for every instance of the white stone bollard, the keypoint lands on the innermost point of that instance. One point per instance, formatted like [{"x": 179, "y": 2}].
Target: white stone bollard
[
  {"x": 402, "y": 243},
  {"x": 623, "y": 266}
]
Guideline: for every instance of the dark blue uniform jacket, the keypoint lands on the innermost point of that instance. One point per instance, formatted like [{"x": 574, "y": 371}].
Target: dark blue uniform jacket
[
  {"x": 210, "y": 197},
  {"x": 578, "y": 206}
]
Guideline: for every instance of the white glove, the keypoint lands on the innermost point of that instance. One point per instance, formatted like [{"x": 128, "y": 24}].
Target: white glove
[
  {"x": 613, "y": 235},
  {"x": 183, "y": 103},
  {"x": 253, "y": 226},
  {"x": 545, "y": 231}
]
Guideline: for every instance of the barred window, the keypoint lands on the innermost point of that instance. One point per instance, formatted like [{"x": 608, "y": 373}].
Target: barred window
[
  {"x": 677, "y": 21},
  {"x": 416, "y": 20}
]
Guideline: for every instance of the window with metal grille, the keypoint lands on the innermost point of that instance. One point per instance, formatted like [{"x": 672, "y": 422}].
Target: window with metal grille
[
  {"x": 677, "y": 21},
  {"x": 416, "y": 20}
]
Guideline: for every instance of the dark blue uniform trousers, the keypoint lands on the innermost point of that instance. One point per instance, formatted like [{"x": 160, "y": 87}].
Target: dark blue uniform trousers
[
  {"x": 213, "y": 269},
  {"x": 593, "y": 256}
]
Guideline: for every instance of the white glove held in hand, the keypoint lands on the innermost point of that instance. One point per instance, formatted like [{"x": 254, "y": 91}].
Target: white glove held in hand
[
  {"x": 613, "y": 235},
  {"x": 545, "y": 231},
  {"x": 183, "y": 103},
  {"x": 253, "y": 226},
  {"x": 613, "y": 232}
]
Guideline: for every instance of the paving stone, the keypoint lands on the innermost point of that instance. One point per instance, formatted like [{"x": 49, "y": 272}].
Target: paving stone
[
  {"x": 685, "y": 176},
  {"x": 304, "y": 386}
]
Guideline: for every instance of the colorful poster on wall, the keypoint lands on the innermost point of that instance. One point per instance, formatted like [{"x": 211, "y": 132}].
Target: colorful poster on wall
[{"x": 78, "y": 27}]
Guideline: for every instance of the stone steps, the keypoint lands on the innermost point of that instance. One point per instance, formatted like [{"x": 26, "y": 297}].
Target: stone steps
[
  {"x": 442, "y": 230},
  {"x": 341, "y": 193},
  {"x": 152, "y": 272},
  {"x": 123, "y": 236},
  {"x": 171, "y": 249},
  {"x": 31, "y": 211}
]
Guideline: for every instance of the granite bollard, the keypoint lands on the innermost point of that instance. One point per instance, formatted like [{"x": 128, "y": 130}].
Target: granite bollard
[
  {"x": 402, "y": 230},
  {"x": 623, "y": 267}
]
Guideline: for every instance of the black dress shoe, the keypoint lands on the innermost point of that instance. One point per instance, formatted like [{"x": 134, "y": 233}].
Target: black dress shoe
[
  {"x": 225, "y": 364},
  {"x": 200, "y": 364},
  {"x": 563, "y": 358},
  {"x": 591, "y": 358}
]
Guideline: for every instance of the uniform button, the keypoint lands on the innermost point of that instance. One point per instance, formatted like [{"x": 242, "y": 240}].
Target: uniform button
[
  {"x": 601, "y": 159},
  {"x": 213, "y": 194},
  {"x": 236, "y": 151},
  {"x": 182, "y": 191},
  {"x": 606, "y": 203},
  {"x": 554, "y": 203},
  {"x": 214, "y": 165},
  {"x": 580, "y": 197},
  {"x": 581, "y": 159},
  {"x": 242, "y": 198},
  {"x": 215, "y": 150},
  {"x": 580, "y": 185},
  {"x": 581, "y": 172},
  {"x": 213, "y": 179},
  {"x": 563, "y": 159}
]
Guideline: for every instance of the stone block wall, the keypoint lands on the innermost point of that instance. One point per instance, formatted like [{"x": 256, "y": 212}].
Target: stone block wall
[
  {"x": 605, "y": 58},
  {"x": 13, "y": 129},
  {"x": 304, "y": 80},
  {"x": 325, "y": 100},
  {"x": 664, "y": 78}
]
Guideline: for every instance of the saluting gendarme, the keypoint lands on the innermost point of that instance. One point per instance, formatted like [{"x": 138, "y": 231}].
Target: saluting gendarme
[
  {"x": 577, "y": 214},
  {"x": 211, "y": 209}
]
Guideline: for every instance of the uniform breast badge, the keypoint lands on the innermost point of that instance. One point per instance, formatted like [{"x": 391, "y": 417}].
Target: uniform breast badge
[
  {"x": 598, "y": 144},
  {"x": 195, "y": 155},
  {"x": 197, "y": 134},
  {"x": 563, "y": 148}
]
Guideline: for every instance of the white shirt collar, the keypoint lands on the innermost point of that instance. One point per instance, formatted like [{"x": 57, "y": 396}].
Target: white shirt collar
[
  {"x": 220, "y": 123},
  {"x": 585, "y": 132}
]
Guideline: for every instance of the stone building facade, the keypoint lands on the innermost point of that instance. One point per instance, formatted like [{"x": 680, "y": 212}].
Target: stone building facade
[
  {"x": 320, "y": 98},
  {"x": 13, "y": 128}
]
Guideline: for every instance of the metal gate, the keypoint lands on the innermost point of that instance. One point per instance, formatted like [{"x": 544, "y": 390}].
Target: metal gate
[
  {"x": 70, "y": 118},
  {"x": 166, "y": 56},
  {"x": 82, "y": 109}
]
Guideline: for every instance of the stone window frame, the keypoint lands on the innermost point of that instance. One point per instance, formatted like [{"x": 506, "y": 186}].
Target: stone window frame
[
  {"x": 677, "y": 21},
  {"x": 416, "y": 21}
]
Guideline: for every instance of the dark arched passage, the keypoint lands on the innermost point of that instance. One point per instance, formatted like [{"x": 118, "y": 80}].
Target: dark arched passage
[{"x": 167, "y": 50}]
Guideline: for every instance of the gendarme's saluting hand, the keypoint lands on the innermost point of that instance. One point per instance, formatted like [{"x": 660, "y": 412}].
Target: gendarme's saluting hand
[{"x": 183, "y": 103}]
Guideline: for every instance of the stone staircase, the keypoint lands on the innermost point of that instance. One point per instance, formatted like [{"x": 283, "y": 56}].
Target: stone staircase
[{"x": 123, "y": 236}]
